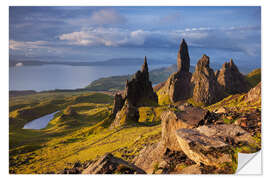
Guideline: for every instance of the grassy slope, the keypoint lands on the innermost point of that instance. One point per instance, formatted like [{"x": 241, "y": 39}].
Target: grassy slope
[
  {"x": 254, "y": 77},
  {"x": 80, "y": 136}
]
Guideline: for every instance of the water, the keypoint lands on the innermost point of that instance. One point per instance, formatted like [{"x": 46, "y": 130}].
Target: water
[
  {"x": 49, "y": 77},
  {"x": 40, "y": 123}
]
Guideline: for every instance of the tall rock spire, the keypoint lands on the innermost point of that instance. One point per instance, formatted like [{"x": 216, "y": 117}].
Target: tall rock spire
[
  {"x": 183, "y": 61},
  {"x": 145, "y": 65}
]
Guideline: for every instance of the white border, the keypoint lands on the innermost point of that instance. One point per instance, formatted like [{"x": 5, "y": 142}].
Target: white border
[{"x": 4, "y": 75}]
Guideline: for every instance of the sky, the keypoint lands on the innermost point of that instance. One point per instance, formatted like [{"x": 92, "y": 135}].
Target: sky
[{"x": 102, "y": 33}]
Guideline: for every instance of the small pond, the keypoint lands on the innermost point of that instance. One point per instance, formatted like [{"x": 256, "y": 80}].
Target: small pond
[{"x": 40, "y": 123}]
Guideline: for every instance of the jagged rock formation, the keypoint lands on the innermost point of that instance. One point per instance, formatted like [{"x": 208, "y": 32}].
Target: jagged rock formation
[
  {"x": 206, "y": 89},
  {"x": 178, "y": 86},
  {"x": 231, "y": 80},
  {"x": 108, "y": 164},
  {"x": 117, "y": 104},
  {"x": 138, "y": 92}
]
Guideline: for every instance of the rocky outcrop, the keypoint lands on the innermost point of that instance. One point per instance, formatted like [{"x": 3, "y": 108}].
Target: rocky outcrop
[
  {"x": 206, "y": 89},
  {"x": 232, "y": 135},
  {"x": 231, "y": 80},
  {"x": 173, "y": 120},
  {"x": 117, "y": 104},
  {"x": 128, "y": 114},
  {"x": 254, "y": 94},
  {"x": 139, "y": 91},
  {"x": 108, "y": 164},
  {"x": 149, "y": 156},
  {"x": 204, "y": 149},
  {"x": 178, "y": 86}
]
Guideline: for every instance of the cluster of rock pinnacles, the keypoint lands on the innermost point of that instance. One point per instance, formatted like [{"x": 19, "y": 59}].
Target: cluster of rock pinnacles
[{"x": 204, "y": 86}]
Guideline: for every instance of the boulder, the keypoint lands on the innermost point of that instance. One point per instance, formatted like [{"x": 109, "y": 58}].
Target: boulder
[
  {"x": 231, "y": 134},
  {"x": 231, "y": 80},
  {"x": 108, "y": 164},
  {"x": 173, "y": 120},
  {"x": 206, "y": 89},
  {"x": 149, "y": 156},
  {"x": 204, "y": 149},
  {"x": 193, "y": 169}
]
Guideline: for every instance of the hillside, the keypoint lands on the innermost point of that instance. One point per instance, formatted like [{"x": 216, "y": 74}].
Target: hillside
[{"x": 254, "y": 77}]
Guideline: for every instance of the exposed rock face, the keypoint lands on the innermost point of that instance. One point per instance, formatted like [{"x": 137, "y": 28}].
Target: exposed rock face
[
  {"x": 109, "y": 164},
  {"x": 171, "y": 121},
  {"x": 254, "y": 94},
  {"x": 230, "y": 134},
  {"x": 148, "y": 156},
  {"x": 193, "y": 169},
  {"x": 128, "y": 114},
  {"x": 206, "y": 90},
  {"x": 118, "y": 103},
  {"x": 178, "y": 84},
  {"x": 231, "y": 79},
  {"x": 204, "y": 149},
  {"x": 139, "y": 91},
  {"x": 183, "y": 61}
]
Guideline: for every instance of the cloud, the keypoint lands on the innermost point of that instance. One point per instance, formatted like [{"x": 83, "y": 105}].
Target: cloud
[
  {"x": 110, "y": 37},
  {"x": 100, "y": 18},
  {"x": 18, "y": 45},
  {"x": 171, "y": 18},
  {"x": 107, "y": 16}
]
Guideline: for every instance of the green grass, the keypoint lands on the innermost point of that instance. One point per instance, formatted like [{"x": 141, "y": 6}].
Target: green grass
[
  {"x": 163, "y": 97},
  {"x": 71, "y": 137},
  {"x": 254, "y": 77}
]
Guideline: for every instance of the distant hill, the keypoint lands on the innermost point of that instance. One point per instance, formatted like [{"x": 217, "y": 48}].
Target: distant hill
[
  {"x": 115, "y": 83},
  {"x": 21, "y": 93}
]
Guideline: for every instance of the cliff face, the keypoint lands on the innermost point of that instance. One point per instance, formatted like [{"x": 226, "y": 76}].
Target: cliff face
[
  {"x": 231, "y": 80},
  {"x": 206, "y": 89}
]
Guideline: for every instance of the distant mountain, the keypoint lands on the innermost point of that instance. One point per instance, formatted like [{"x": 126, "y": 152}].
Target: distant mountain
[{"x": 110, "y": 62}]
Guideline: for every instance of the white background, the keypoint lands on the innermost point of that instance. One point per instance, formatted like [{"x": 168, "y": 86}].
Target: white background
[{"x": 4, "y": 80}]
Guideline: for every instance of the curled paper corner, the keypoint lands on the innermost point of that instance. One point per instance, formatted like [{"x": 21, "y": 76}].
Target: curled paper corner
[{"x": 249, "y": 163}]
